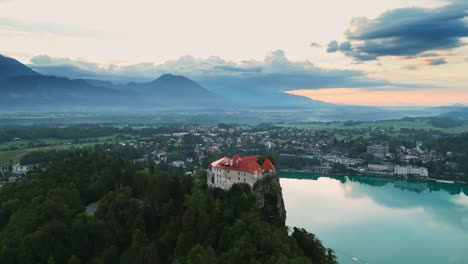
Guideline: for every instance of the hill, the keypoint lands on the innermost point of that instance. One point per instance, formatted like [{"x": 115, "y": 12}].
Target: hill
[
  {"x": 10, "y": 68},
  {"x": 21, "y": 88},
  {"x": 38, "y": 92},
  {"x": 174, "y": 90},
  {"x": 91, "y": 207}
]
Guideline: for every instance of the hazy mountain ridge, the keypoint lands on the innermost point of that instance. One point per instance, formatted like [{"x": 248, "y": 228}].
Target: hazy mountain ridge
[
  {"x": 38, "y": 91},
  {"x": 23, "y": 87},
  {"x": 167, "y": 91},
  {"x": 10, "y": 68},
  {"x": 176, "y": 90}
]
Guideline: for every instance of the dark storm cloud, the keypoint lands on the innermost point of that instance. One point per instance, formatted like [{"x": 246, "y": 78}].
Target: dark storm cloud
[{"x": 406, "y": 32}]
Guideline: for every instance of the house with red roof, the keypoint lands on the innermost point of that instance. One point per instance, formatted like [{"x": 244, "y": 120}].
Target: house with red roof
[{"x": 225, "y": 172}]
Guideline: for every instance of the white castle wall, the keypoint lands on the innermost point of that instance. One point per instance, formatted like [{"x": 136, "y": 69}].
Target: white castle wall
[{"x": 224, "y": 179}]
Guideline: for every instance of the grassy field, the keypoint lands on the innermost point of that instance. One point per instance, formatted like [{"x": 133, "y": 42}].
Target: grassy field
[
  {"x": 22, "y": 147},
  {"x": 386, "y": 125},
  {"x": 14, "y": 156}
]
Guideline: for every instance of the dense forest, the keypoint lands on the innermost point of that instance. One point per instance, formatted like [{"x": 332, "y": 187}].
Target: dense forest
[
  {"x": 454, "y": 150},
  {"x": 143, "y": 217}
]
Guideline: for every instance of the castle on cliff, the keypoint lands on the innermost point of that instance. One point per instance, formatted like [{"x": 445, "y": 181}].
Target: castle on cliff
[{"x": 225, "y": 172}]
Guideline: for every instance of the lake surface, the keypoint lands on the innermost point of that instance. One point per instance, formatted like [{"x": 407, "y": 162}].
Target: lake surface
[{"x": 380, "y": 220}]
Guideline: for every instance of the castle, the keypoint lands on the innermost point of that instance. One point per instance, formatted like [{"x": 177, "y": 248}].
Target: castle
[{"x": 225, "y": 172}]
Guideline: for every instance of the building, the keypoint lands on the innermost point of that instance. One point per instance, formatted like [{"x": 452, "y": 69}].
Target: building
[
  {"x": 225, "y": 172},
  {"x": 378, "y": 150},
  {"x": 178, "y": 163},
  {"x": 4, "y": 168},
  {"x": 410, "y": 170},
  {"x": 381, "y": 167},
  {"x": 18, "y": 169},
  {"x": 12, "y": 179}
]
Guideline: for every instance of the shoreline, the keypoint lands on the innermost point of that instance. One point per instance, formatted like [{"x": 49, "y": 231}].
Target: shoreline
[{"x": 373, "y": 176}]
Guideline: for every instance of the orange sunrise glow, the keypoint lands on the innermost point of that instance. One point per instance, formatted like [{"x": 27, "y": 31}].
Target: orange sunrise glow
[{"x": 355, "y": 96}]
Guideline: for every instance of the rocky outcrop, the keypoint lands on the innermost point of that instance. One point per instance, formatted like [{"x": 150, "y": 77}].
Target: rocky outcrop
[{"x": 269, "y": 196}]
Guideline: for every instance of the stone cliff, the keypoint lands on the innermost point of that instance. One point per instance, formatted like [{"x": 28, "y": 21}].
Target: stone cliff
[{"x": 269, "y": 197}]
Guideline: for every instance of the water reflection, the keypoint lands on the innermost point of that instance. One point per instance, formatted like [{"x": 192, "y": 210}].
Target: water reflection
[
  {"x": 415, "y": 186},
  {"x": 448, "y": 203},
  {"x": 426, "y": 222}
]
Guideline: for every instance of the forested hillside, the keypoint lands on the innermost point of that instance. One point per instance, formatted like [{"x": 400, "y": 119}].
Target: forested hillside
[{"x": 142, "y": 218}]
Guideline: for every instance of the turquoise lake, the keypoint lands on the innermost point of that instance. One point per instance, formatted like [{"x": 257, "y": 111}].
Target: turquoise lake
[{"x": 382, "y": 221}]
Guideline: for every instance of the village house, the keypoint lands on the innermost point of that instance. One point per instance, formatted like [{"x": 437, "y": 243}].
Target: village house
[
  {"x": 410, "y": 170},
  {"x": 20, "y": 169},
  {"x": 4, "y": 168},
  {"x": 178, "y": 163},
  {"x": 225, "y": 172}
]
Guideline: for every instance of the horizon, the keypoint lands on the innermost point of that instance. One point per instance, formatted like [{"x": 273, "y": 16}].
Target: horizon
[{"x": 375, "y": 53}]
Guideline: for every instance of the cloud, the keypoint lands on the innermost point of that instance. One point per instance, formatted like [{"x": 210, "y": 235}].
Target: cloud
[
  {"x": 345, "y": 46},
  {"x": 436, "y": 61},
  {"x": 275, "y": 72},
  {"x": 332, "y": 46},
  {"x": 428, "y": 54},
  {"x": 411, "y": 67},
  {"x": 315, "y": 45},
  {"x": 405, "y": 32},
  {"x": 426, "y": 60}
]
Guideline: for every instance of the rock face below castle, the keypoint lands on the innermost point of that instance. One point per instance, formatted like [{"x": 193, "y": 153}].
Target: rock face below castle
[
  {"x": 269, "y": 196},
  {"x": 225, "y": 172}
]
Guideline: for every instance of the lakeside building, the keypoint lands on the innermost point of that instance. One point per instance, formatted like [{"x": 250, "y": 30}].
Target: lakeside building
[
  {"x": 378, "y": 150},
  {"x": 381, "y": 167},
  {"x": 225, "y": 172},
  {"x": 410, "y": 170}
]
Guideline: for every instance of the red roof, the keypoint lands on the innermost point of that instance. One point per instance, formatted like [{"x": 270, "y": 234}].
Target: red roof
[
  {"x": 267, "y": 165},
  {"x": 244, "y": 164}
]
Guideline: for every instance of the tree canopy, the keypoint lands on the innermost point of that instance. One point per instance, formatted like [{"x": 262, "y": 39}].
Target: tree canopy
[{"x": 141, "y": 217}]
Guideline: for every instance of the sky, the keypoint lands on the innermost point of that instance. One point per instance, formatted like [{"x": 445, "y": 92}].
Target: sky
[{"x": 366, "y": 52}]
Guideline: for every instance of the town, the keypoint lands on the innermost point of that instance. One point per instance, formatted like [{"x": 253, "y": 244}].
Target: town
[{"x": 407, "y": 154}]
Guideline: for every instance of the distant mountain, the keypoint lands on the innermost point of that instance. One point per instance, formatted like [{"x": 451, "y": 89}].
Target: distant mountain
[
  {"x": 460, "y": 113},
  {"x": 10, "y": 68},
  {"x": 267, "y": 98},
  {"x": 173, "y": 90},
  {"x": 23, "y": 88},
  {"x": 48, "y": 91}
]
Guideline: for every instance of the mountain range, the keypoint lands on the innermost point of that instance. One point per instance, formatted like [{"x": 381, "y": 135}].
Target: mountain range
[
  {"x": 22, "y": 88},
  {"x": 25, "y": 90},
  {"x": 12, "y": 68}
]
